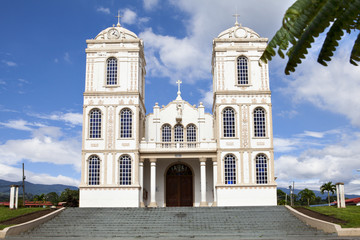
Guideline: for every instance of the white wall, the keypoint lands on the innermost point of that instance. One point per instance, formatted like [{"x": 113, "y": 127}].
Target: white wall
[{"x": 111, "y": 197}]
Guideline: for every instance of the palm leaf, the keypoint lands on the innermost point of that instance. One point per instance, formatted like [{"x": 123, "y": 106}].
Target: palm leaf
[
  {"x": 355, "y": 53},
  {"x": 344, "y": 22},
  {"x": 317, "y": 25}
]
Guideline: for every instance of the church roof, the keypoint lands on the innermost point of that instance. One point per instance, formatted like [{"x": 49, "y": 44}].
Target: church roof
[
  {"x": 116, "y": 32},
  {"x": 238, "y": 31}
]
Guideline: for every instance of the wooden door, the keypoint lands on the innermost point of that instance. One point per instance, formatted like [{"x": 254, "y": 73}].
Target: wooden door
[{"x": 179, "y": 187}]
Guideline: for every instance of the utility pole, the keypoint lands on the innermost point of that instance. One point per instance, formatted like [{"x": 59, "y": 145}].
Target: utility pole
[
  {"x": 293, "y": 189},
  {"x": 23, "y": 184}
]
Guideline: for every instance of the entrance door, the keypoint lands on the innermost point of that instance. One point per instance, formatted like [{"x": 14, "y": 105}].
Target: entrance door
[{"x": 179, "y": 187}]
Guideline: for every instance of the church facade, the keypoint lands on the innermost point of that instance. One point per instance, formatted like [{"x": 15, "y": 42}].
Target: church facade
[{"x": 178, "y": 155}]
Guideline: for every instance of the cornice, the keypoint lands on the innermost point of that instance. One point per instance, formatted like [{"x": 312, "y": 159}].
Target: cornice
[
  {"x": 241, "y": 40},
  {"x": 242, "y": 92},
  {"x": 93, "y": 41}
]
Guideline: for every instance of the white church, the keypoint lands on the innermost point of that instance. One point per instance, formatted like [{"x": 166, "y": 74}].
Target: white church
[{"x": 177, "y": 155}]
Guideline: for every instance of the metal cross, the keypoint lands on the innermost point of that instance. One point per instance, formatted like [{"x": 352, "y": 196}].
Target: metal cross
[
  {"x": 236, "y": 17},
  {"x": 118, "y": 17},
  {"x": 178, "y": 83}
]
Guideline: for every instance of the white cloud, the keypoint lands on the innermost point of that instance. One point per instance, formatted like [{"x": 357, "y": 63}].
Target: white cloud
[
  {"x": 189, "y": 57},
  {"x": 2, "y": 82},
  {"x": 207, "y": 98},
  {"x": 288, "y": 114},
  {"x": 42, "y": 148},
  {"x": 18, "y": 124},
  {"x": 72, "y": 118},
  {"x": 11, "y": 173},
  {"x": 285, "y": 145},
  {"x": 56, "y": 60},
  {"x": 67, "y": 57},
  {"x": 334, "y": 88},
  {"x": 150, "y": 4},
  {"x": 103, "y": 10},
  {"x": 129, "y": 16},
  {"x": 334, "y": 162},
  {"x": 9, "y": 63}
]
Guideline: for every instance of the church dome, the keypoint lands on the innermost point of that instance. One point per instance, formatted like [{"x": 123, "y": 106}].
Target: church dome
[
  {"x": 238, "y": 31},
  {"x": 116, "y": 32}
]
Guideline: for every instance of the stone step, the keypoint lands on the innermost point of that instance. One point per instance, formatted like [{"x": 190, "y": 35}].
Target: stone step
[{"x": 175, "y": 223}]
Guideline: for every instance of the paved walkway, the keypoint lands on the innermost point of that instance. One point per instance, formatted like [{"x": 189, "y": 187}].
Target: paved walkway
[{"x": 176, "y": 223}]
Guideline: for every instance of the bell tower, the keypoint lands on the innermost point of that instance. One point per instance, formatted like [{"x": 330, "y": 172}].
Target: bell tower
[
  {"x": 113, "y": 114},
  {"x": 243, "y": 119}
]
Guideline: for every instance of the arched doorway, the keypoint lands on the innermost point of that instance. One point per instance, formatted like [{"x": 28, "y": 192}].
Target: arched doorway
[{"x": 179, "y": 186}]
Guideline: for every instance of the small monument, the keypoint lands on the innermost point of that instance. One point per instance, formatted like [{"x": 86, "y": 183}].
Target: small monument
[
  {"x": 340, "y": 193},
  {"x": 14, "y": 196}
]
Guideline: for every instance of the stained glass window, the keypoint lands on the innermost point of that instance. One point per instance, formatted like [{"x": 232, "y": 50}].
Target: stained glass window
[
  {"x": 242, "y": 70},
  {"x": 191, "y": 135},
  {"x": 95, "y": 124},
  {"x": 229, "y": 122},
  {"x": 259, "y": 122},
  {"x": 166, "y": 134},
  {"x": 94, "y": 170},
  {"x": 111, "y": 71},
  {"x": 179, "y": 133},
  {"x": 230, "y": 169},
  {"x": 261, "y": 169},
  {"x": 125, "y": 123},
  {"x": 125, "y": 170},
  {"x": 179, "y": 170}
]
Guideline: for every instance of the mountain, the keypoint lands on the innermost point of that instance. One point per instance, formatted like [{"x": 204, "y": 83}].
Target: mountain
[
  {"x": 317, "y": 193},
  {"x": 32, "y": 188}
]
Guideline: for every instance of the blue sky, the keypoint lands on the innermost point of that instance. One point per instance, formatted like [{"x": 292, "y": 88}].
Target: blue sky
[{"x": 316, "y": 111}]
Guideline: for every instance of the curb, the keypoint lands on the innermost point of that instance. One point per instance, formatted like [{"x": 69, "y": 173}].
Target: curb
[
  {"x": 23, "y": 227},
  {"x": 325, "y": 226}
]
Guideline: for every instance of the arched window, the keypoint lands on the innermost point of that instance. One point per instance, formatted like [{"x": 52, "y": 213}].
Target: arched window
[
  {"x": 259, "y": 122},
  {"x": 261, "y": 169},
  {"x": 191, "y": 135},
  {"x": 166, "y": 133},
  {"x": 126, "y": 123},
  {"x": 229, "y": 122},
  {"x": 230, "y": 169},
  {"x": 111, "y": 71},
  {"x": 125, "y": 170},
  {"x": 95, "y": 124},
  {"x": 242, "y": 70},
  {"x": 94, "y": 170},
  {"x": 178, "y": 133}
]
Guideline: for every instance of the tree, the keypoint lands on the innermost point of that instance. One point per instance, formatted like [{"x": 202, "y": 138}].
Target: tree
[
  {"x": 305, "y": 20},
  {"x": 307, "y": 194},
  {"x": 39, "y": 198},
  {"x": 53, "y": 197},
  {"x": 71, "y": 197},
  {"x": 329, "y": 187}
]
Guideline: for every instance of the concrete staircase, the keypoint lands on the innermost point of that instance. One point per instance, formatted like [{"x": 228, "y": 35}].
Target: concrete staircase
[{"x": 175, "y": 223}]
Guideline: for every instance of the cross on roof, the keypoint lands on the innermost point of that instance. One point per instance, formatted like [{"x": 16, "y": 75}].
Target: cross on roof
[
  {"x": 178, "y": 83},
  {"x": 236, "y": 15},
  {"x": 178, "y": 93},
  {"x": 118, "y": 17}
]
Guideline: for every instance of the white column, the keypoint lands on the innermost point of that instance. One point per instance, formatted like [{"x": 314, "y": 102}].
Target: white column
[
  {"x": 16, "y": 197},
  {"x": 337, "y": 196},
  {"x": 214, "y": 160},
  {"x": 203, "y": 202},
  {"x": 12, "y": 197},
  {"x": 153, "y": 183},
  {"x": 340, "y": 192},
  {"x": 141, "y": 181}
]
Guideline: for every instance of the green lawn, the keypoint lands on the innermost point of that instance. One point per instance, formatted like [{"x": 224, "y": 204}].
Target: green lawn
[
  {"x": 351, "y": 214},
  {"x": 6, "y": 213}
]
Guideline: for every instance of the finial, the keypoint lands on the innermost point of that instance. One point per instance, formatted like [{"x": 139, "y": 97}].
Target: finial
[
  {"x": 118, "y": 17},
  {"x": 179, "y": 92},
  {"x": 236, "y": 15}
]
